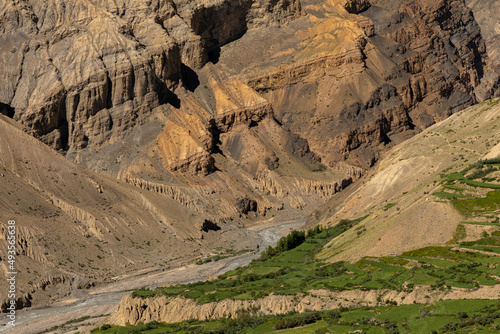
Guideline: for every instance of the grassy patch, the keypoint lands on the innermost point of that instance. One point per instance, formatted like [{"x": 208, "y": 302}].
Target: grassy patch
[
  {"x": 493, "y": 223},
  {"x": 460, "y": 234},
  {"x": 447, "y": 195},
  {"x": 468, "y": 207},
  {"x": 467, "y": 194},
  {"x": 388, "y": 206},
  {"x": 296, "y": 270},
  {"x": 454, "y": 316}
]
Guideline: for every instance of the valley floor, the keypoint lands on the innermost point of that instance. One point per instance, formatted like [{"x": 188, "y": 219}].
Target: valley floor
[{"x": 103, "y": 300}]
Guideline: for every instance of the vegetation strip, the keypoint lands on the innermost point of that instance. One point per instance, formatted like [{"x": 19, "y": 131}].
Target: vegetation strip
[
  {"x": 292, "y": 268},
  {"x": 450, "y": 316}
]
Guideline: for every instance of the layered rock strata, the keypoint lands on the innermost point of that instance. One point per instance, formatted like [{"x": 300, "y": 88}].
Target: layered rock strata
[
  {"x": 79, "y": 73},
  {"x": 368, "y": 80}
]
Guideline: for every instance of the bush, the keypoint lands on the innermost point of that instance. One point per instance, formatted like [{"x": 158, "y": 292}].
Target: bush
[
  {"x": 314, "y": 231},
  {"x": 291, "y": 241},
  {"x": 307, "y": 319},
  {"x": 480, "y": 173}
]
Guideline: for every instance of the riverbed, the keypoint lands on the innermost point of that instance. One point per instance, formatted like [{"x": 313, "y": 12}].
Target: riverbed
[{"x": 104, "y": 299}]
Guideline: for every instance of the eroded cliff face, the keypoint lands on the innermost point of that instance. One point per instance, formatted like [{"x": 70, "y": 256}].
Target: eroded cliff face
[
  {"x": 490, "y": 26},
  {"x": 360, "y": 82},
  {"x": 177, "y": 309},
  {"x": 79, "y": 73},
  {"x": 351, "y": 77},
  {"x": 354, "y": 75},
  {"x": 187, "y": 140},
  {"x": 75, "y": 228},
  {"x": 341, "y": 83}
]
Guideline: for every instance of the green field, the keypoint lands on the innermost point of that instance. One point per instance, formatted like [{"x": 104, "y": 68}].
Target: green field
[
  {"x": 291, "y": 268},
  {"x": 296, "y": 270},
  {"x": 457, "y": 316},
  {"x": 475, "y": 190}
]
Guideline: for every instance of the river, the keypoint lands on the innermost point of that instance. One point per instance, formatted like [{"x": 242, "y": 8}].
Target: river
[{"x": 105, "y": 299}]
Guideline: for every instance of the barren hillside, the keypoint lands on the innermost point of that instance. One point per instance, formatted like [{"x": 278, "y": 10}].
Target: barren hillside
[{"x": 398, "y": 196}]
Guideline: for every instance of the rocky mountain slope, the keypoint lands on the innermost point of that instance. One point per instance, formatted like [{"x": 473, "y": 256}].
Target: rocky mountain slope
[
  {"x": 490, "y": 27},
  {"x": 82, "y": 83},
  {"x": 397, "y": 196},
  {"x": 177, "y": 115},
  {"x": 353, "y": 83},
  {"x": 80, "y": 72},
  {"x": 329, "y": 81},
  {"x": 76, "y": 228}
]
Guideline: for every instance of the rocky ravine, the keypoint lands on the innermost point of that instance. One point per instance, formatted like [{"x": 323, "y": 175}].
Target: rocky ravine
[
  {"x": 80, "y": 72},
  {"x": 97, "y": 80},
  {"x": 116, "y": 87},
  {"x": 357, "y": 83},
  {"x": 327, "y": 82},
  {"x": 405, "y": 179},
  {"x": 75, "y": 228}
]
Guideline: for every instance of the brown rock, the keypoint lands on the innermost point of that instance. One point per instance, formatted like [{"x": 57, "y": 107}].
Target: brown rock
[
  {"x": 79, "y": 73},
  {"x": 355, "y": 6},
  {"x": 237, "y": 103},
  {"x": 176, "y": 309}
]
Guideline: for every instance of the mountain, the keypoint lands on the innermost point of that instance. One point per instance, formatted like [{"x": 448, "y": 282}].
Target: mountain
[
  {"x": 399, "y": 198},
  {"x": 170, "y": 126},
  {"x": 419, "y": 230},
  {"x": 85, "y": 82},
  {"x": 76, "y": 228}
]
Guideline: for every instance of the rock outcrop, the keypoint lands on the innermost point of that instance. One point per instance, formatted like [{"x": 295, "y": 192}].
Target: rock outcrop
[
  {"x": 389, "y": 71},
  {"x": 355, "y": 6},
  {"x": 490, "y": 27},
  {"x": 176, "y": 309},
  {"x": 188, "y": 197},
  {"x": 208, "y": 225},
  {"x": 187, "y": 141},
  {"x": 190, "y": 135},
  {"x": 270, "y": 183},
  {"x": 80, "y": 73},
  {"x": 238, "y": 104},
  {"x": 21, "y": 302},
  {"x": 246, "y": 205}
]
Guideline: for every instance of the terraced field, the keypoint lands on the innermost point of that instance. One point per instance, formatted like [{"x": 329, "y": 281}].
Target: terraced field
[
  {"x": 471, "y": 316},
  {"x": 474, "y": 191},
  {"x": 466, "y": 263}
]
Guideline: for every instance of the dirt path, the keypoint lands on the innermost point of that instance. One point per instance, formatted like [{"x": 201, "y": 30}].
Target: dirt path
[{"x": 104, "y": 299}]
